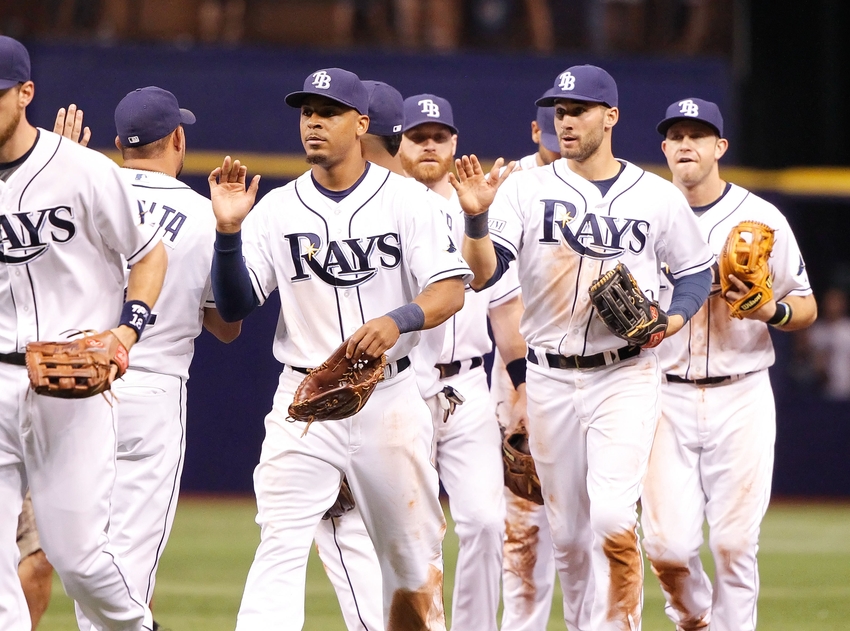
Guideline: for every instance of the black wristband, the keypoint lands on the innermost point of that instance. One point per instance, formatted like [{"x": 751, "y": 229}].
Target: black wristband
[
  {"x": 477, "y": 226},
  {"x": 135, "y": 314},
  {"x": 516, "y": 371},
  {"x": 782, "y": 315}
]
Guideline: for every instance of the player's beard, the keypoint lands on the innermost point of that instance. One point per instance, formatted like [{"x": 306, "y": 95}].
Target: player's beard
[
  {"x": 11, "y": 126},
  {"x": 428, "y": 173},
  {"x": 587, "y": 145}
]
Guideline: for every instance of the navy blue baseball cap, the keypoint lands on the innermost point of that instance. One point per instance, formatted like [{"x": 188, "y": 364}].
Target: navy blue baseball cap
[
  {"x": 337, "y": 84},
  {"x": 692, "y": 109},
  {"x": 427, "y": 108},
  {"x": 147, "y": 114},
  {"x": 14, "y": 63},
  {"x": 546, "y": 123},
  {"x": 582, "y": 83},
  {"x": 386, "y": 108}
]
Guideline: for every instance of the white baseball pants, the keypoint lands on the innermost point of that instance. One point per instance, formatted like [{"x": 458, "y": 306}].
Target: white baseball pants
[
  {"x": 65, "y": 450},
  {"x": 151, "y": 444},
  {"x": 352, "y": 566},
  {"x": 590, "y": 432},
  {"x": 712, "y": 460},
  {"x": 468, "y": 456},
  {"x": 384, "y": 452}
]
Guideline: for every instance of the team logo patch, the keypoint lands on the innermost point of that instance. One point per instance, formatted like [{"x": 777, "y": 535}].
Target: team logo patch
[
  {"x": 344, "y": 263},
  {"x": 429, "y": 108},
  {"x": 25, "y": 236},
  {"x": 600, "y": 237},
  {"x": 496, "y": 225},
  {"x": 688, "y": 108},
  {"x": 321, "y": 80},
  {"x": 566, "y": 81}
]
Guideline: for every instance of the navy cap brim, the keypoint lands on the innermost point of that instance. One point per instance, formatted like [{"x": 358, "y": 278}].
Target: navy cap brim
[
  {"x": 549, "y": 101},
  {"x": 5, "y": 84},
  {"x": 407, "y": 128},
  {"x": 187, "y": 117},
  {"x": 296, "y": 99},
  {"x": 667, "y": 123}
]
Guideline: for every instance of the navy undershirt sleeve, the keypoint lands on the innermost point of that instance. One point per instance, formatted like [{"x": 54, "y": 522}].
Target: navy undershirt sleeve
[
  {"x": 234, "y": 294},
  {"x": 503, "y": 259},
  {"x": 689, "y": 293}
]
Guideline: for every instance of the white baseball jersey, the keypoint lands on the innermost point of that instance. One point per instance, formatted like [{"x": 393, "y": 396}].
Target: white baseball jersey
[
  {"x": 465, "y": 333},
  {"x": 527, "y": 162},
  {"x": 713, "y": 344},
  {"x": 355, "y": 259},
  {"x": 187, "y": 226},
  {"x": 565, "y": 235},
  {"x": 51, "y": 238}
]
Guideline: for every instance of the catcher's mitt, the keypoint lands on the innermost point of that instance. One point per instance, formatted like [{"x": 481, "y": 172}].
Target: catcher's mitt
[
  {"x": 520, "y": 473},
  {"x": 76, "y": 369},
  {"x": 344, "y": 501},
  {"x": 745, "y": 255},
  {"x": 337, "y": 389},
  {"x": 625, "y": 310}
]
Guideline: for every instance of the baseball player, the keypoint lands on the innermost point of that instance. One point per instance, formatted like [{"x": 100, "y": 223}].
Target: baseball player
[
  {"x": 342, "y": 541},
  {"x": 358, "y": 262},
  {"x": 528, "y": 565},
  {"x": 152, "y": 394},
  {"x": 592, "y": 398},
  {"x": 67, "y": 227},
  {"x": 713, "y": 453},
  {"x": 467, "y": 441}
]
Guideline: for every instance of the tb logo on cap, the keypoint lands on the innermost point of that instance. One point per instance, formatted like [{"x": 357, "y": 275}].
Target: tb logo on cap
[
  {"x": 567, "y": 81},
  {"x": 689, "y": 108},
  {"x": 321, "y": 80},
  {"x": 429, "y": 108}
]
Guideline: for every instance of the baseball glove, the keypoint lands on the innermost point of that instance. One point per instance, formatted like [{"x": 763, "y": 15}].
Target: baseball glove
[
  {"x": 625, "y": 310},
  {"x": 76, "y": 369},
  {"x": 520, "y": 473},
  {"x": 745, "y": 255},
  {"x": 344, "y": 501},
  {"x": 337, "y": 389}
]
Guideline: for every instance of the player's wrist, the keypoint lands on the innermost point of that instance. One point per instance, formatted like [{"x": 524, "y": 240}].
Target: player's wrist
[
  {"x": 228, "y": 227},
  {"x": 476, "y": 226},
  {"x": 517, "y": 371},
  {"x": 135, "y": 315},
  {"x": 781, "y": 316},
  {"x": 126, "y": 335},
  {"x": 407, "y": 318}
]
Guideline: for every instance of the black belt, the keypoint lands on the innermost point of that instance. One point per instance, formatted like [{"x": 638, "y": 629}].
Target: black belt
[
  {"x": 453, "y": 368},
  {"x": 16, "y": 359},
  {"x": 401, "y": 364},
  {"x": 586, "y": 361},
  {"x": 705, "y": 381}
]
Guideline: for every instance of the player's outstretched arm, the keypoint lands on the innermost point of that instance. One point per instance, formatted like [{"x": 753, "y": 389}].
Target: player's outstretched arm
[
  {"x": 70, "y": 125},
  {"x": 436, "y": 304},
  {"x": 476, "y": 192},
  {"x": 804, "y": 309},
  {"x": 144, "y": 284},
  {"x": 504, "y": 320},
  {"x": 231, "y": 200}
]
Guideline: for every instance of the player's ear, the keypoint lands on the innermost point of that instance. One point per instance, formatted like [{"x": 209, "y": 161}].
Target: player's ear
[
  {"x": 178, "y": 139},
  {"x": 612, "y": 115},
  {"x": 118, "y": 144},
  {"x": 362, "y": 125},
  {"x": 535, "y": 133},
  {"x": 454, "y": 144},
  {"x": 26, "y": 92},
  {"x": 720, "y": 148}
]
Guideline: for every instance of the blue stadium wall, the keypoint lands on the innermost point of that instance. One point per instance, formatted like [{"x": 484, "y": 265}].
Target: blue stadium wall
[{"x": 237, "y": 95}]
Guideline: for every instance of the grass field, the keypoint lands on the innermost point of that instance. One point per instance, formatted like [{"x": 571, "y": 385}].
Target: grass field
[{"x": 804, "y": 560}]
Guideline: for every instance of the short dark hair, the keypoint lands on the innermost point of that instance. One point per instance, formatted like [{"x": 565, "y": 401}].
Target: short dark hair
[
  {"x": 391, "y": 143},
  {"x": 145, "y": 152}
]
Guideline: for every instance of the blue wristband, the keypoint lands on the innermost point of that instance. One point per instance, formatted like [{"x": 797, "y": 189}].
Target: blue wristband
[
  {"x": 407, "y": 318},
  {"x": 477, "y": 226},
  {"x": 135, "y": 314}
]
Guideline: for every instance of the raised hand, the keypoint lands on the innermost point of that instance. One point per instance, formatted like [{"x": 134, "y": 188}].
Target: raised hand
[
  {"x": 475, "y": 189},
  {"x": 231, "y": 201},
  {"x": 70, "y": 125}
]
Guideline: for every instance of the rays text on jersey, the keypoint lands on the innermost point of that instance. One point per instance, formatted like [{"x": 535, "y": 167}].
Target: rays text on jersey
[
  {"x": 27, "y": 235},
  {"x": 343, "y": 263},
  {"x": 594, "y": 236}
]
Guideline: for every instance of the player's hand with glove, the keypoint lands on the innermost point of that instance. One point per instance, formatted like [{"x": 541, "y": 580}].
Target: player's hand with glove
[
  {"x": 475, "y": 189},
  {"x": 231, "y": 200},
  {"x": 626, "y": 311},
  {"x": 746, "y": 281}
]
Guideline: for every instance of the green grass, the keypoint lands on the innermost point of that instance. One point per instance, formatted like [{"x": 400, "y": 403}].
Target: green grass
[{"x": 804, "y": 560}]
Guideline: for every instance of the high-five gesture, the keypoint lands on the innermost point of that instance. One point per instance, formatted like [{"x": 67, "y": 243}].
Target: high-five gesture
[
  {"x": 70, "y": 125},
  {"x": 475, "y": 189},
  {"x": 231, "y": 201}
]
